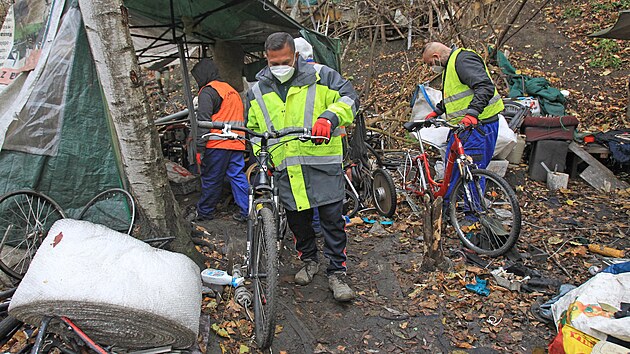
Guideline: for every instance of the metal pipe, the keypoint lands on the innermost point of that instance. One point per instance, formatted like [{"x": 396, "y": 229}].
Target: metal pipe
[{"x": 192, "y": 146}]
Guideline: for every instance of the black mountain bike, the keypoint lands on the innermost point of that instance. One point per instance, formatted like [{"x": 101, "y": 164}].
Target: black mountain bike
[{"x": 263, "y": 225}]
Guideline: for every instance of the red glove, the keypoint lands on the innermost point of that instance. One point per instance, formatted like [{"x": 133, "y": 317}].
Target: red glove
[
  {"x": 431, "y": 115},
  {"x": 321, "y": 128},
  {"x": 469, "y": 120},
  {"x": 198, "y": 157}
]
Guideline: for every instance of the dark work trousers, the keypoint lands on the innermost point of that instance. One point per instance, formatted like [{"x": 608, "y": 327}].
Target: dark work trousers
[
  {"x": 215, "y": 166},
  {"x": 477, "y": 146},
  {"x": 335, "y": 238}
]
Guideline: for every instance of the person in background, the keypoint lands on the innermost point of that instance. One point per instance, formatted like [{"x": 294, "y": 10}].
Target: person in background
[
  {"x": 305, "y": 49},
  {"x": 469, "y": 97},
  {"x": 291, "y": 93},
  {"x": 218, "y": 157}
]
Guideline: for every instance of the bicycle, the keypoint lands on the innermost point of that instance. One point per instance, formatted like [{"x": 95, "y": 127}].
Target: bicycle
[
  {"x": 364, "y": 184},
  {"x": 26, "y": 216},
  {"x": 366, "y": 181},
  {"x": 483, "y": 208},
  {"x": 263, "y": 225}
]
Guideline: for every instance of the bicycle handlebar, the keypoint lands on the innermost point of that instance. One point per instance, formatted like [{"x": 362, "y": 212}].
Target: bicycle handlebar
[
  {"x": 227, "y": 132},
  {"x": 438, "y": 122}
]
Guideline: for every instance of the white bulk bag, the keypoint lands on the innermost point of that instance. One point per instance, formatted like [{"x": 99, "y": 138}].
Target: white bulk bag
[{"x": 117, "y": 289}]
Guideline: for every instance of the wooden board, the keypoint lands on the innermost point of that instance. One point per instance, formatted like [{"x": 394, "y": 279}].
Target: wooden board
[{"x": 596, "y": 174}]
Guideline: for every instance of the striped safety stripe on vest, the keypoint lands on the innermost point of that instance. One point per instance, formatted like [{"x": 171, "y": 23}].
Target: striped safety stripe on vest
[
  {"x": 230, "y": 112},
  {"x": 456, "y": 104},
  {"x": 309, "y": 108}
]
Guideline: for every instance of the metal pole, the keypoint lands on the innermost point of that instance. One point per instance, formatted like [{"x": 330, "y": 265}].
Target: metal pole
[{"x": 192, "y": 146}]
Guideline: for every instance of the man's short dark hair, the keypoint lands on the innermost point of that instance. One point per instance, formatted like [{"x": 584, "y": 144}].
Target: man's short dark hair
[{"x": 278, "y": 40}]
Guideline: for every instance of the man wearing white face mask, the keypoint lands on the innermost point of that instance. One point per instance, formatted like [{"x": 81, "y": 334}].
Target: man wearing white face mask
[
  {"x": 468, "y": 97},
  {"x": 292, "y": 93}
]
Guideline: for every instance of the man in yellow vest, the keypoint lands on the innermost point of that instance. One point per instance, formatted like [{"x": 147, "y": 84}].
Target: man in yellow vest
[
  {"x": 218, "y": 157},
  {"x": 468, "y": 97},
  {"x": 292, "y": 93}
]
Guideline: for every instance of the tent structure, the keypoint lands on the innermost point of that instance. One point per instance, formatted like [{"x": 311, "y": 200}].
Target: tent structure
[
  {"x": 620, "y": 30},
  {"x": 55, "y": 133}
]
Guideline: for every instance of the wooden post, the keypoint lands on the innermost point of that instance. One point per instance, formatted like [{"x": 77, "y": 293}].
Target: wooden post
[{"x": 432, "y": 231}]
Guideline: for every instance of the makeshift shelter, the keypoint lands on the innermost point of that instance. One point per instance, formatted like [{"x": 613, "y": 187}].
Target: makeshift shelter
[{"x": 55, "y": 131}]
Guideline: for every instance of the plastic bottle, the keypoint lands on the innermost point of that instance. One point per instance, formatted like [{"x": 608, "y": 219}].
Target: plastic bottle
[{"x": 220, "y": 277}]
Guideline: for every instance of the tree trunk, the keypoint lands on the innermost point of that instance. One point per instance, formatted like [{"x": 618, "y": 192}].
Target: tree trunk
[
  {"x": 432, "y": 232},
  {"x": 106, "y": 24}
]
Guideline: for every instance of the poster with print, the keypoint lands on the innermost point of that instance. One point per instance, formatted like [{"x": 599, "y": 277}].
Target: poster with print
[{"x": 21, "y": 38}]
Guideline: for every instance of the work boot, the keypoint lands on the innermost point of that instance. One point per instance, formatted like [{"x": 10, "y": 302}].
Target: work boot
[
  {"x": 341, "y": 290},
  {"x": 240, "y": 217},
  {"x": 305, "y": 275}
]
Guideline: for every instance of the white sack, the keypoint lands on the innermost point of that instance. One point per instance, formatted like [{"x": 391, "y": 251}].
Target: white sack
[
  {"x": 177, "y": 173},
  {"x": 589, "y": 306},
  {"x": 421, "y": 107},
  {"x": 116, "y": 288}
]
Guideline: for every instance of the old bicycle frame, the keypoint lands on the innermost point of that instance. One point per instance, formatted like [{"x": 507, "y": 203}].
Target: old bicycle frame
[{"x": 482, "y": 207}]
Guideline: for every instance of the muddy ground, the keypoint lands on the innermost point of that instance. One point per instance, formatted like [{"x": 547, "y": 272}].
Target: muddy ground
[{"x": 401, "y": 309}]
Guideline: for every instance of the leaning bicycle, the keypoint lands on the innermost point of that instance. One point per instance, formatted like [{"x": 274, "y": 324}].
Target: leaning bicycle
[
  {"x": 263, "y": 225},
  {"x": 482, "y": 208}
]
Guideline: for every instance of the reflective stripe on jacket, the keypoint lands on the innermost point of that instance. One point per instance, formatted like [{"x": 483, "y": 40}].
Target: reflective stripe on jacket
[
  {"x": 231, "y": 112},
  {"x": 309, "y": 174},
  {"x": 457, "y": 95}
]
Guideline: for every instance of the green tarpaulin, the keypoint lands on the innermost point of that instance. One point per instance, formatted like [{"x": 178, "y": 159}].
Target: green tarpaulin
[{"x": 551, "y": 99}]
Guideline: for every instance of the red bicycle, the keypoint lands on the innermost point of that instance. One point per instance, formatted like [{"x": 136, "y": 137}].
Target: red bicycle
[{"x": 482, "y": 209}]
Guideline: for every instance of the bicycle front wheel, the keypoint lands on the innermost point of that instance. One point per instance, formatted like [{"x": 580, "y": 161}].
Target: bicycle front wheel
[
  {"x": 265, "y": 277},
  {"x": 25, "y": 218},
  {"x": 383, "y": 193},
  {"x": 485, "y": 213}
]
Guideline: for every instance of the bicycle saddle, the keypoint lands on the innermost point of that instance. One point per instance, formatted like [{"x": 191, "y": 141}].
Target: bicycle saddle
[{"x": 411, "y": 126}]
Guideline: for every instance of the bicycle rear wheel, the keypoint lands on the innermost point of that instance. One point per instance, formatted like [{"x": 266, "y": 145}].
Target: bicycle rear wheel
[
  {"x": 485, "y": 213},
  {"x": 383, "y": 193},
  {"x": 113, "y": 208},
  {"x": 25, "y": 218},
  {"x": 265, "y": 277}
]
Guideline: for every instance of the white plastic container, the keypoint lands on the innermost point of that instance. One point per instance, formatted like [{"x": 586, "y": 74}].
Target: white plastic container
[
  {"x": 530, "y": 102},
  {"x": 220, "y": 277}
]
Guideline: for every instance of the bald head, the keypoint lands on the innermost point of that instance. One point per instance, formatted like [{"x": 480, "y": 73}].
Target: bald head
[{"x": 435, "y": 53}]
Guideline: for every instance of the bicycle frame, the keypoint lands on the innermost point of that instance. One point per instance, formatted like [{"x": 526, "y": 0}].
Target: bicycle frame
[
  {"x": 264, "y": 187},
  {"x": 423, "y": 181}
]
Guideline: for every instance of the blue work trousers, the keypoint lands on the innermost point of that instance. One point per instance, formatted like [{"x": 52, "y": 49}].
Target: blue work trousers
[
  {"x": 479, "y": 147},
  {"x": 216, "y": 165}
]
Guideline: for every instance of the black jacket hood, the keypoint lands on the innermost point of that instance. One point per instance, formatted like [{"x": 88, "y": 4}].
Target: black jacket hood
[{"x": 204, "y": 72}]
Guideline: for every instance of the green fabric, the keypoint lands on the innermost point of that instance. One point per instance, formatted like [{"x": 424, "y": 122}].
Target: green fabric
[
  {"x": 455, "y": 110},
  {"x": 85, "y": 163},
  {"x": 325, "y": 49},
  {"x": 550, "y": 99},
  {"x": 245, "y": 22}
]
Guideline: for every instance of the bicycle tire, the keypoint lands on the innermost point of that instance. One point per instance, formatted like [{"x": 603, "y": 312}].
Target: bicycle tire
[
  {"x": 25, "y": 218},
  {"x": 351, "y": 204},
  {"x": 383, "y": 193},
  {"x": 8, "y": 326},
  {"x": 114, "y": 208},
  {"x": 265, "y": 258},
  {"x": 488, "y": 227}
]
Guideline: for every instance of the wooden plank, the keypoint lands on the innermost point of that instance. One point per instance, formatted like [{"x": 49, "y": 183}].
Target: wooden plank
[{"x": 597, "y": 175}]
